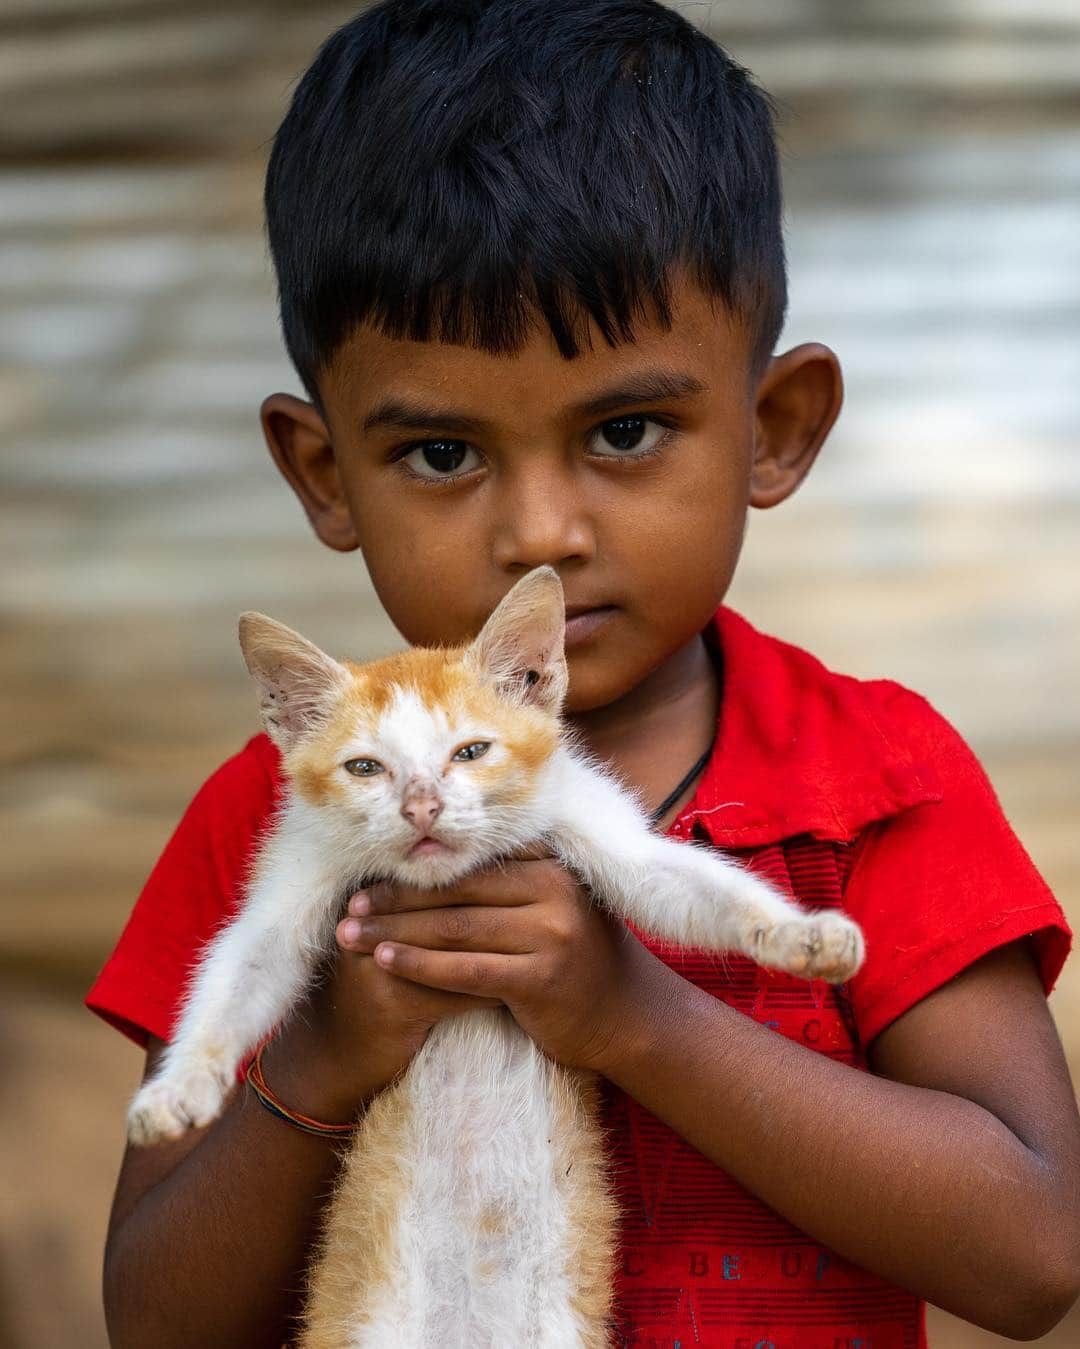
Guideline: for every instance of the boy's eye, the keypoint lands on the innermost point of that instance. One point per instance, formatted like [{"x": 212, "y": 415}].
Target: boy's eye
[
  {"x": 436, "y": 459},
  {"x": 473, "y": 751},
  {"x": 363, "y": 768},
  {"x": 628, "y": 436}
]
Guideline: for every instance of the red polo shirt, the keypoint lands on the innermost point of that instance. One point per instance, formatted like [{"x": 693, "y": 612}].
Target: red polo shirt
[{"x": 847, "y": 794}]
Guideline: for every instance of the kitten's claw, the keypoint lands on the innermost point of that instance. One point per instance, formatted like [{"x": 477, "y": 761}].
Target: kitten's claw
[
  {"x": 167, "y": 1107},
  {"x": 820, "y": 946}
]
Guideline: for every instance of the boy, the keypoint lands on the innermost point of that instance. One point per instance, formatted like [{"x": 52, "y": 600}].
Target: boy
[{"x": 531, "y": 274}]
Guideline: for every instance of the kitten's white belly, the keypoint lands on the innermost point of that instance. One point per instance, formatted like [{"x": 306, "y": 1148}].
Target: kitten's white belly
[{"x": 483, "y": 1231}]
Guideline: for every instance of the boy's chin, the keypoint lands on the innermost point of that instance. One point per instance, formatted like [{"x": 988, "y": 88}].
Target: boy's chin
[{"x": 595, "y": 681}]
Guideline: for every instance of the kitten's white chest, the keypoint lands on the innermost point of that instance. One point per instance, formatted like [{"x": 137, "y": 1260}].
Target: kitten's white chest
[{"x": 486, "y": 1220}]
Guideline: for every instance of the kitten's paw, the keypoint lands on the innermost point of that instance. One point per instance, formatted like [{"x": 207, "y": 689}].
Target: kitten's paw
[
  {"x": 167, "y": 1107},
  {"x": 820, "y": 946}
]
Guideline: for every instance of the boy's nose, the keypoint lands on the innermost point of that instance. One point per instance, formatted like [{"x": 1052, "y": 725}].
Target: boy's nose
[
  {"x": 421, "y": 810},
  {"x": 542, "y": 522}
]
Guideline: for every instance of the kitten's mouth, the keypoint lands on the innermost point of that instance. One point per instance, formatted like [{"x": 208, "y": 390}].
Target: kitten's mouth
[{"x": 427, "y": 847}]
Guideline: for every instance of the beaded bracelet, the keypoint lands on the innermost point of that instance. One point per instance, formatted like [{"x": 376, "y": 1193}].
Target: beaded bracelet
[{"x": 257, "y": 1083}]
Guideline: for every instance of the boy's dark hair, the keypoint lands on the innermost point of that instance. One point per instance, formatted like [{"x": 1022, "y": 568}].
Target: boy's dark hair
[{"x": 450, "y": 168}]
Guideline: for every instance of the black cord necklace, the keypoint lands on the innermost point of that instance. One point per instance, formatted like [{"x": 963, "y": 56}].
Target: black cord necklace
[{"x": 668, "y": 801}]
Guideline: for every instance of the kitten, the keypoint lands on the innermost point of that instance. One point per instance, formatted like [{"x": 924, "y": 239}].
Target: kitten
[{"x": 473, "y": 1210}]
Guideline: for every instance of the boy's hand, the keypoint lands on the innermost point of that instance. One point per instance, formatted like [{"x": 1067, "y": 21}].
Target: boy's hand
[
  {"x": 524, "y": 932},
  {"x": 355, "y": 1032}
]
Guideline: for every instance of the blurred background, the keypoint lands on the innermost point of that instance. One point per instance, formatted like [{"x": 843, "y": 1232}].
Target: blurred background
[{"x": 933, "y": 184}]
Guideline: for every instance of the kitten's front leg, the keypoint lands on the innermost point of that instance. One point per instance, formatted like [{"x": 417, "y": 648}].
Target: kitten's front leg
[
  {"x": 251, "y": 973},
  {"x": 688, "y": 895},
  {"x": 699, "y": 898}
]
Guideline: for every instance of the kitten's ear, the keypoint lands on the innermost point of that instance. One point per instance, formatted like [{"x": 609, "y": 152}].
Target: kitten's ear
[
  {"x": 520, "y": 647},
  {"x": 296, "y": 681}
]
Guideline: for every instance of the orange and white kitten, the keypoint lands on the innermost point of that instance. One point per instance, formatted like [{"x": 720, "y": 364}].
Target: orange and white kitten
[{"x": 473, "y": 1210}]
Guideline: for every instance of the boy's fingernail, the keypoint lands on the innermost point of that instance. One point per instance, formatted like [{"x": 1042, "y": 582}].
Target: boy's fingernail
[
  {"x": 351, "y": 930},
  {"x": 385, "y": 955},
  {"x": 360, "y": 903}
]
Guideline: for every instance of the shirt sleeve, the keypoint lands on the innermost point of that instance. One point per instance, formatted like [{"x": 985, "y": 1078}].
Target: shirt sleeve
[
  {"x": 939, "y": 885},
  {"x": 195, "y": 886}
]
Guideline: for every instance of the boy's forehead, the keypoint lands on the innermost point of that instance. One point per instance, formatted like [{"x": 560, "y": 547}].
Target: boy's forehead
[{"x": 705, "y": 352}]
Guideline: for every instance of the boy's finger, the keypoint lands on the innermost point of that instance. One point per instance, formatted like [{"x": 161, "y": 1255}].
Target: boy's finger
[
  {"x": 464, "y": 1002},
  {"x": 379, "y": 898},
  {"x": 458, "y": 928},
  {"x": 398, "y": 898},
  {"x": 483, "y": 975},
  {"x": 500, "y": 886}
]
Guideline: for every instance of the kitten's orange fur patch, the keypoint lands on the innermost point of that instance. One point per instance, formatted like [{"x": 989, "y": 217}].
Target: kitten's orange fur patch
[
  {"x": 591, "y": 1210},
  {"x": 440, "y": 679},
  {"x": 358, "y": 1253}
]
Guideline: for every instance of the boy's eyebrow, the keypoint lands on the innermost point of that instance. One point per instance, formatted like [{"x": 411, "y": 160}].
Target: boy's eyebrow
[{"x": 647, "y": 386}]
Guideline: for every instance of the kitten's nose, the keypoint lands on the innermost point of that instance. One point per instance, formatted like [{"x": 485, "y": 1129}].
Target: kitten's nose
[{"x": 421, "y": 811}]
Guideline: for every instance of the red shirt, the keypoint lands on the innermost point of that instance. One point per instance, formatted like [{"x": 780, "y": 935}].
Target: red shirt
[{"x": 844, "y": 792}]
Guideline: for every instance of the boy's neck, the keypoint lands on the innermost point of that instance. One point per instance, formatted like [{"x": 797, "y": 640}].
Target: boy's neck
[{"x": 652, "y": 735}]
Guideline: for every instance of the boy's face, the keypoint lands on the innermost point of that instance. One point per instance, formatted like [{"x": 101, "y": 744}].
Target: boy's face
[{"x": 630, "y": 470}]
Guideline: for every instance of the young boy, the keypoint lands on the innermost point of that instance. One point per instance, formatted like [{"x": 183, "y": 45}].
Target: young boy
[{"x": 532, "y": 275}]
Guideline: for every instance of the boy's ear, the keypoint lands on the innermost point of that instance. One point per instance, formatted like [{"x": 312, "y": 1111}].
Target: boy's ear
[
  {"x": 521, "y": 646},
  {"x": 302, "y": 449},
  {"x": 294, "y": 678},
  {"x": 798, "y": 400}
]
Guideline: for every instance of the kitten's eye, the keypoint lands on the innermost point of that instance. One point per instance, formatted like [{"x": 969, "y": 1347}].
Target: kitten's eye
[
  {"x": 441, "y": 459},
  {"x": 476, "y": 750},
  {"x": 627, "y": 437},
  {"x": 364, "y": 768}
]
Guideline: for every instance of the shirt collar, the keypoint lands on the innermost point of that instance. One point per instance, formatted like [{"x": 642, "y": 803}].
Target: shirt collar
[{"x": 799, "y": 749}]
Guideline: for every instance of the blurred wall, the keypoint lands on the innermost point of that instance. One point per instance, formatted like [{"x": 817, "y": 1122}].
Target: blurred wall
[{"x": 933, "y": 168}]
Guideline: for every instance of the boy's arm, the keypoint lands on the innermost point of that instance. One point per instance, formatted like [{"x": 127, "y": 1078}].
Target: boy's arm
[
  {"x": 243, "y": 1195},
  {"x": 955, "y": 1173},
  {"x": 209, "y": 1236}
]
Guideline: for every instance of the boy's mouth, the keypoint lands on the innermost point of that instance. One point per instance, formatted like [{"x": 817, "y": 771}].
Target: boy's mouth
[{"x": 582, "y": 622}]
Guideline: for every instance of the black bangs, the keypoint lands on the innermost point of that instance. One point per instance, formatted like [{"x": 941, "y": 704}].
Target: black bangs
[{"x": 455, "y": 170}]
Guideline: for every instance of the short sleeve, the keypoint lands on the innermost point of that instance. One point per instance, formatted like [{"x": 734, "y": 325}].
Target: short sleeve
[
  {"x": 195, "y": 886},
  {"x": 943, "y": 883}
]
